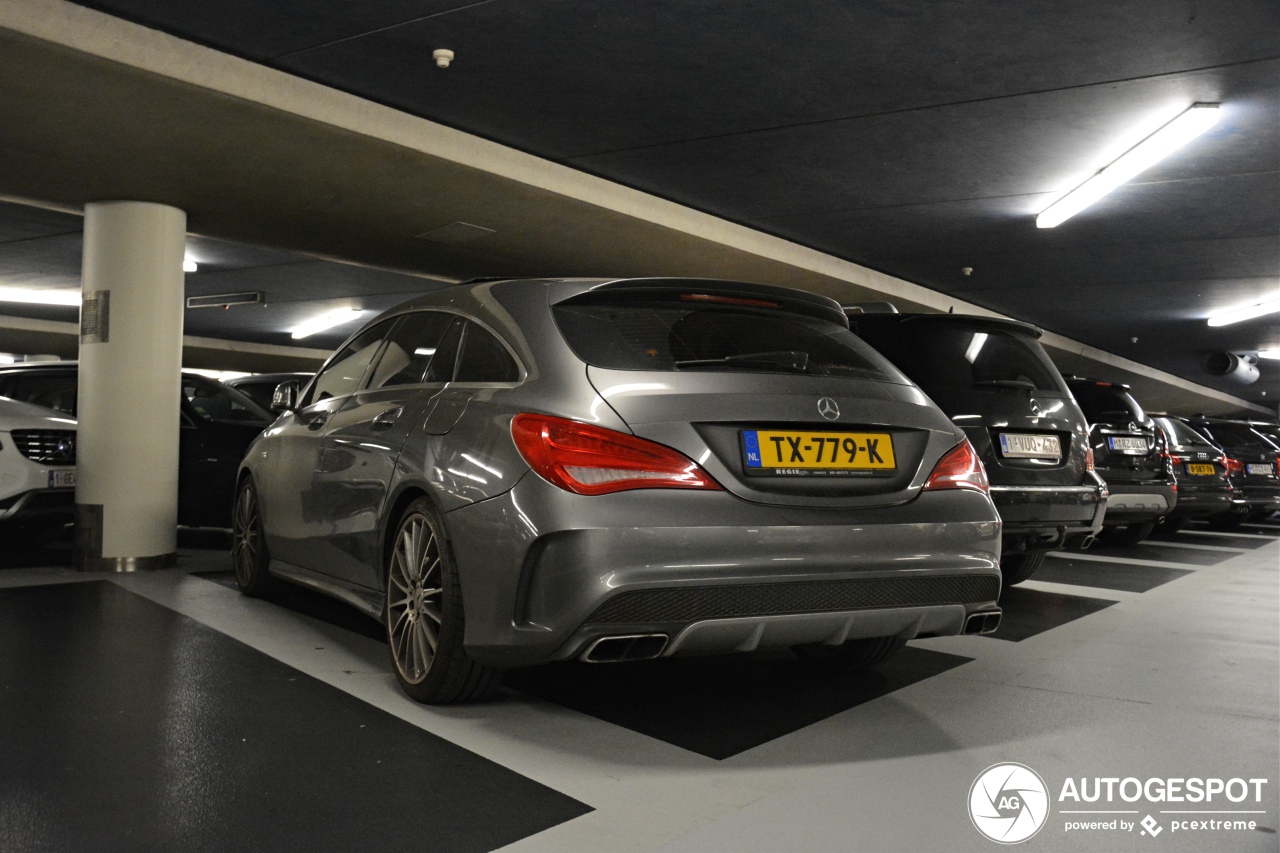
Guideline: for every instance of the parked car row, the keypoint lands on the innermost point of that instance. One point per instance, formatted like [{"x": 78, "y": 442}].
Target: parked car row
[{"x": 512, "y": 472}]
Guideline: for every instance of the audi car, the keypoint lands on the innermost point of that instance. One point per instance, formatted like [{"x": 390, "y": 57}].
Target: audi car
[
  {"x": 1201, "y": 470},
  {"x": 1253, "y": 464},
  {"x": 513, "y": 472},
  {"x": 995, "y": 381}
]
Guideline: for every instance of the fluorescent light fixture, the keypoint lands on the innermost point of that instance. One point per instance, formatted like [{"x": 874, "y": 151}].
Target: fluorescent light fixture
[
  {"x": 976, "y": 343},
  {"x": 40, "y": 297},
  {"x": 1245, "y": 312},
  {"x": 5, "y": 358},
  {"x": 189, "y": 265},
  {"x": 325, "y": 322},
  {"x": 1273, "y": 354},
  {"x": 1187, "y": 126},
  {"x": 425, "y": 351},
  {"x": 220, "y": 375}
]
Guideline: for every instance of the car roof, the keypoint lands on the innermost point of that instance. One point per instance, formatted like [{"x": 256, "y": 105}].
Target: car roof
[{"x": 973, "y": 321}]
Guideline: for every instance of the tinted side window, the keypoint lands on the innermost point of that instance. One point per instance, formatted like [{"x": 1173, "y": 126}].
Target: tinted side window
[
  {"x": 344, "y": 373},
  {"x": 442, "y": 363},
  {"x": 1237, "y": 437},
  {"x": 411, "y": 349},
  {"x": 215, "y": 402},
  {"x": 484, "y": 358}
]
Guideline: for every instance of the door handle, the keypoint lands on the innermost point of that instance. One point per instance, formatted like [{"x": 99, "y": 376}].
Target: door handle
[
  {"x": 387, "y": 419},
  {"x": 317, "y": 422}
]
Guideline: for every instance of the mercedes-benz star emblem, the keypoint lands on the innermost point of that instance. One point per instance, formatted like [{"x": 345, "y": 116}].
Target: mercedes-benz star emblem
[
  {"x": 828, "y": 408},
  {"x": 1036, "y": 411}
]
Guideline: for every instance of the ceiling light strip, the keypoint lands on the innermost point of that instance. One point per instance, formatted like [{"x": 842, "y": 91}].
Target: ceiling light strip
[
  {"x": 1187, "y": 126},
  {"x": 1245, "y": 312},
  {"x": 325, "y": 322}
]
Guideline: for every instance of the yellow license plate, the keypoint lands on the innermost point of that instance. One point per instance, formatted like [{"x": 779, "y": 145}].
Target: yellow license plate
[
  {"x": 1194, "y": 468},
  {"x": 798, "y": 453}
]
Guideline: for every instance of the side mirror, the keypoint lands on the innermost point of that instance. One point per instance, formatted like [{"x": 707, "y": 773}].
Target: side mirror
[{"x": 285, "y": 397}]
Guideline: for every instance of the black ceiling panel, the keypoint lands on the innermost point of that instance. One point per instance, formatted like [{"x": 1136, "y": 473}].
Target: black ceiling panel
[{"x": 917, "y": 138}]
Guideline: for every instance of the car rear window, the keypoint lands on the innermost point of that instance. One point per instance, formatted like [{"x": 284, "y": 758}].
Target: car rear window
[
  {"x": 951, "y": 361},
  {"x": 1181, "y": 434},
  {"x": 214, "y": 401},
  {"x": 679, "y": 331},
  {"x": 1237, "y": 437},
  {"x": 1107, "y": 404}
]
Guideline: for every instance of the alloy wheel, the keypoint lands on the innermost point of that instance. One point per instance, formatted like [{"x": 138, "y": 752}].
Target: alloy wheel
[
  {"x": 246, "y": 536},
  {"x": 415, "y": 598}
]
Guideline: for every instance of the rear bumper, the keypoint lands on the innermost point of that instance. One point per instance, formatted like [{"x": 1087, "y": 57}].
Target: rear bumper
[
  {"x": 1135, "y": 503},
  {"x": 1261, "y": 495},
  {"x": 1202, "y": 500},
  {"x": 1047, "y": 516},
  {"x": 714, "y": 573}
]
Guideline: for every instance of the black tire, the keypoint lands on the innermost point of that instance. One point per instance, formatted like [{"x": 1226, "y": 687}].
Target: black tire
[
  {"x": 1130, "y": 534},
  {"x": 855, "y": 654},
  {"x": 424, "y": 615},
  {"x": 249, "y": 555},
  {"x": 1015, "y": 568}
]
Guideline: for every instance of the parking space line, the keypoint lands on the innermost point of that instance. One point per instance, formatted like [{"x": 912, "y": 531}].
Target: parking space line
[
  {"x": 1227, "y": 534},
  {"x": 1190, "y": 546},
  {"x": 1080, "y": 555}
]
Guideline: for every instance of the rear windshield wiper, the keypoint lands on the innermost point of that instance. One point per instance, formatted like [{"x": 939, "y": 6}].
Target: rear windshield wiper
[
  {"x": 1020, "y": 384},
  {"x": 791, "y": 360}
]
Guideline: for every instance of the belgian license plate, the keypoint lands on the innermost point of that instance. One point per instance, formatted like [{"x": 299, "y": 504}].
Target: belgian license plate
[
  {"x": 1260, "y": 470},
  {"x": 1200, "y": 469},
  {"x": 1127, "y": 444},
  {"x": 1017, "y": 446},
  {"x": 62, "y": 479},
  {"x": 797, "y": 453}
]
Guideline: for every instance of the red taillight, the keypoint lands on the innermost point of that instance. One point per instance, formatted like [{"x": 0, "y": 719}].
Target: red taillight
[
  {"x": 959, "y": 468},
  {"x": 1088, "y": 459},
  {"x": 1174, "y": 459},
  {"x": 592, "y": 460},
  {"x": 1234, "y": 466}
]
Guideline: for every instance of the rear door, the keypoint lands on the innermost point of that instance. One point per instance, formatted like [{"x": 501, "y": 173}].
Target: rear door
[
  {"x": 361, "y": 442},
  {"x": 779, "y": 402}
]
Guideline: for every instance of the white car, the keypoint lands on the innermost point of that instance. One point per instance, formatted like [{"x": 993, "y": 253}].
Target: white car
[{"x": 37, "y": 465}]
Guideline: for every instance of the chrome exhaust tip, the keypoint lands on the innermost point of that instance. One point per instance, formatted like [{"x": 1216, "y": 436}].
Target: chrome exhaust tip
[
  {"x": 625, "y": 648},
  {"x": 1087, "y": 542},
  {"x": 985, "y": 622}
]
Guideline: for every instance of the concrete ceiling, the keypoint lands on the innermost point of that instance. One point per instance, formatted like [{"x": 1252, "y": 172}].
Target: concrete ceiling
[{"x": 866, "y": 151}]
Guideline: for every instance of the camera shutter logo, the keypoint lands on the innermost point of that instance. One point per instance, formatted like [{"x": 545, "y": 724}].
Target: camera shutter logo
[{"x": 1008, "y": 803}]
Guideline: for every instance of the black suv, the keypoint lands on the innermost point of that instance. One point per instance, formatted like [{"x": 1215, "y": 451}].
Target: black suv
[
  {"x": 1130, "y": 454},
  {"x": 217, "y": 425},
  {"x": 995, "y": 382},
  {"x": 1252, "y": 460},
  {"x": 1200, "y": 469}
]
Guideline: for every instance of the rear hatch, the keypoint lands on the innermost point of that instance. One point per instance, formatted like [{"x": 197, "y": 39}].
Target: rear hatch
[
  {"x": 1127, "y": 446},
  {"x": 1254, "y": 451},
  {"x": 1194, "y": 459},
  {"x": 764, "y": 387},
  {"x": 994, "y": 380}
]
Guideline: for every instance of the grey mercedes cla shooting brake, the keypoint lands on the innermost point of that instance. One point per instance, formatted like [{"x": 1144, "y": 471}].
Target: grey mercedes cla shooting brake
[{"x": 513, "y": 472}]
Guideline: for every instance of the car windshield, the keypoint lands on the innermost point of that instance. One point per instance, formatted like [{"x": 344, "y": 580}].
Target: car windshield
[
  {"x": 214, "y": 401},
  {"x": 669, "y": 331},
  {"x": 1181, "y": 434}
]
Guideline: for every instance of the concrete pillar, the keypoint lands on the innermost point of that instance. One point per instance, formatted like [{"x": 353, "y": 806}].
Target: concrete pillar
[{"x": 130, "y": 375}]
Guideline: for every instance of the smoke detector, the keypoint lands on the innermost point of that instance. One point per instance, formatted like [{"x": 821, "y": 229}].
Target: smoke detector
[{"x": 442, "y": 57}]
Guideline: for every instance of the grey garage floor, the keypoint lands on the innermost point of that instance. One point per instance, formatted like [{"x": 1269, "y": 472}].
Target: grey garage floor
[{"x": 166, "y": 712}]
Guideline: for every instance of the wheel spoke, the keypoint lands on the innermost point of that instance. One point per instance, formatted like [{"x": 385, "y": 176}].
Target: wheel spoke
[
  {"x": 420, "y": 635},
  {"x": 431, "y": 634}
]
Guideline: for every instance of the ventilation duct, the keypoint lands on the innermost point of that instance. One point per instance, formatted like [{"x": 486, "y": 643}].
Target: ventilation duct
[{"x": 1234, "y": 368}]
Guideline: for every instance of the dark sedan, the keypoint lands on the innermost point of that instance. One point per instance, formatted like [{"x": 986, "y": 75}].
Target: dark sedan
[
  {"x": 1252, "y": 460},
  {"x": 217, "y": 425},
  {"x": 1200, "y": 468}
]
